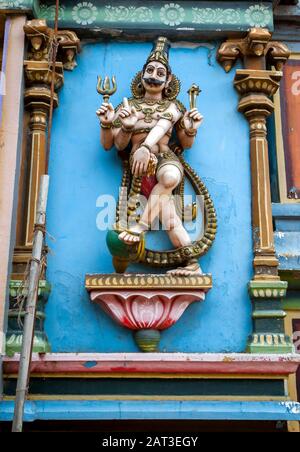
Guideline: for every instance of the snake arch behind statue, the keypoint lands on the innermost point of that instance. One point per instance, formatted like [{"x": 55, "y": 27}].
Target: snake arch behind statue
[{"x": 146, "y": 122}]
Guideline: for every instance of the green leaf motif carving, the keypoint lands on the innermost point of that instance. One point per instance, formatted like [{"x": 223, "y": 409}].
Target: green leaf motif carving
[
  {"x": 13, "y": 4},
  {"x": 129, "y": 14},
  {"x": 157, "y": 15},
  {"x": 218, "y": 15},
  {"x": 48, "y": 12}
]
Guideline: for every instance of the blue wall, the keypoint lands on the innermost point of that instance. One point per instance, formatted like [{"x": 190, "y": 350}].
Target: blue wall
[{"x": 81, "y": 171}]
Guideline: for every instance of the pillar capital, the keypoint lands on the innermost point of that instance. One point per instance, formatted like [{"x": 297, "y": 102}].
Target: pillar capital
[
  {"x": 249, "y": 81},
  {"x": 256, "y": 88},
  {"x": 40, "y": 38},
  {"x": 256, "y": 50}
]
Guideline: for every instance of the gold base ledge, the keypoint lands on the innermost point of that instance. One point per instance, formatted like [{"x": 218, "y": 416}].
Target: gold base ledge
[{"x": 147, "y": 281}]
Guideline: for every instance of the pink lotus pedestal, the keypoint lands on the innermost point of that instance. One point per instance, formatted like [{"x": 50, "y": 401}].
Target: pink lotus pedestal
[{"x": 146, "y": 304}]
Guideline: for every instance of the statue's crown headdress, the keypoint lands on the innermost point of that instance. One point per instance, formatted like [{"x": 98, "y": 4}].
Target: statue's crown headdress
[{"x": 160, "y": 52}]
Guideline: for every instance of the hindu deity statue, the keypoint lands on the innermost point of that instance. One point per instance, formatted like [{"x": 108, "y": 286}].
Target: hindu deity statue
[{"x": 151, "y": 130}]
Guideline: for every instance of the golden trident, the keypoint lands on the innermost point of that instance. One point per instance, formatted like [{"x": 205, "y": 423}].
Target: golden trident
[
  {"x": 105, "y": 89},
  {"x": 193, "y": 93}
]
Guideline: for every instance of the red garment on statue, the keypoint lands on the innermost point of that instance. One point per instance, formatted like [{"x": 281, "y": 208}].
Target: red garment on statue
[{"x": 148, "y": 183}]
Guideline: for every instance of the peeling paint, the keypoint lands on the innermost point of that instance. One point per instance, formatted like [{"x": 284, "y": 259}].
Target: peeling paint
[
  {"x": 291, "y": 407},
  {"x": 228, "y": 359},
  {"x": 185, "y": 29},
  {"x": 90, "y": 364},
  {"x": 192, "y": 45}
]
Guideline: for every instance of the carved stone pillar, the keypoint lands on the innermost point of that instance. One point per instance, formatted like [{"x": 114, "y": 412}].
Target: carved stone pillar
[
  {"x": 39, "y": 71},
  {"x": 37, "y": 98},
  {"x": 37, "y": 101},
  {"x": 256, "y": 86}
]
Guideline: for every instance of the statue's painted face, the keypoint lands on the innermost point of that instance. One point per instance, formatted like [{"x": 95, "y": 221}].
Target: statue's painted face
[{"x": 155, "y": 77}]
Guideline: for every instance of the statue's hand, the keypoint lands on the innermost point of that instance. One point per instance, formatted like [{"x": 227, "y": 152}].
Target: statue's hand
[
  {"x": 106, "y": 113},
  {"x": 128, "y": 115},
  {"x": 192, "y": 119},
  {"x": 141, "y": 159}
]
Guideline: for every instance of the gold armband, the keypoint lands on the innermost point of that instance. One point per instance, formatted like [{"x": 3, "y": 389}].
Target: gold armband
[
  {"x": 181, "y": 124},
  {"x": 106, "y": 126},
  {"x": 127, "y": 129},
  {"x": 147, "y": 147},
  {"x": 191, "y": 132},
  {"x": 167, "y": 116}
]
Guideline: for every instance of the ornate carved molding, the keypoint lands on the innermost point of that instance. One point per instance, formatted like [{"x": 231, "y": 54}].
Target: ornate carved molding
[
  {"x": 265, "y": 83},
  {"x": 257, "y": 50},
  {"x": 134, "y": 281},
  {"x": 277, "y": 54},
  {"x": 69, "y": 47},
  {"x": 14, "y": 335},
  {"x": 40, "y": 37}
]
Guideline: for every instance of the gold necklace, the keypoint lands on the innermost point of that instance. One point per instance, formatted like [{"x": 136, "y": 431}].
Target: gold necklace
[{"x": 162, "y": 105}]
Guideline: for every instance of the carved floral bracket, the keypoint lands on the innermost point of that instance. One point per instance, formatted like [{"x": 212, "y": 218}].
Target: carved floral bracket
[{"x": 256, "y": 50}]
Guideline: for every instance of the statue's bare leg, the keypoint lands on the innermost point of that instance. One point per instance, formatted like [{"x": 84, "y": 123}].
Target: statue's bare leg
[
  {"x": 172, "y": 224},
  {"x": 160, "y": 203},
  {"x": 168, "y": 178},
  {"x": 178, "y": 236}
]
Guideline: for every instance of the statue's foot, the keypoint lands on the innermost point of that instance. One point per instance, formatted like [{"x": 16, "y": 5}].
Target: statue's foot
[
  {"x": 189, "y": 270},
  {"x": 132, "y": 236}
]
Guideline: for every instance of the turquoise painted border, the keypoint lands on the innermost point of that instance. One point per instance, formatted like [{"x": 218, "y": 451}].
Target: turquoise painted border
[
  {"x": 31, "y": 6},
  {"x": 164, "y": 15},
  {"x": 122, "y": 409}
]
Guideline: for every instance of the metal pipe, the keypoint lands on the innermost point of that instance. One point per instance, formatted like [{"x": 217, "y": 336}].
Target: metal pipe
[
  {"x": 54, "y": 55},
  {"x": 35, "y": 263},
  {"x": 28, "y": 332}
]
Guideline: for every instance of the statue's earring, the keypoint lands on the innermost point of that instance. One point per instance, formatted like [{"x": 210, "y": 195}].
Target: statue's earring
[
  {"x": 168, "y": 91},
  {"x": 139, "y": 83},
  {"x": 137, "y": 87}
]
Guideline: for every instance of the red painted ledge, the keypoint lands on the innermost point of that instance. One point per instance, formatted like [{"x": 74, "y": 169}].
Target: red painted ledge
[{"x": 157, "y": 363}]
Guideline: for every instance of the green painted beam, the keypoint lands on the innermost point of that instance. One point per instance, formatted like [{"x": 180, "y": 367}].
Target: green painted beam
[
  {"x": 150, "y": 15},
  {"x": 161, "y": 15},
  {"x": 17, "y": 6}
]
